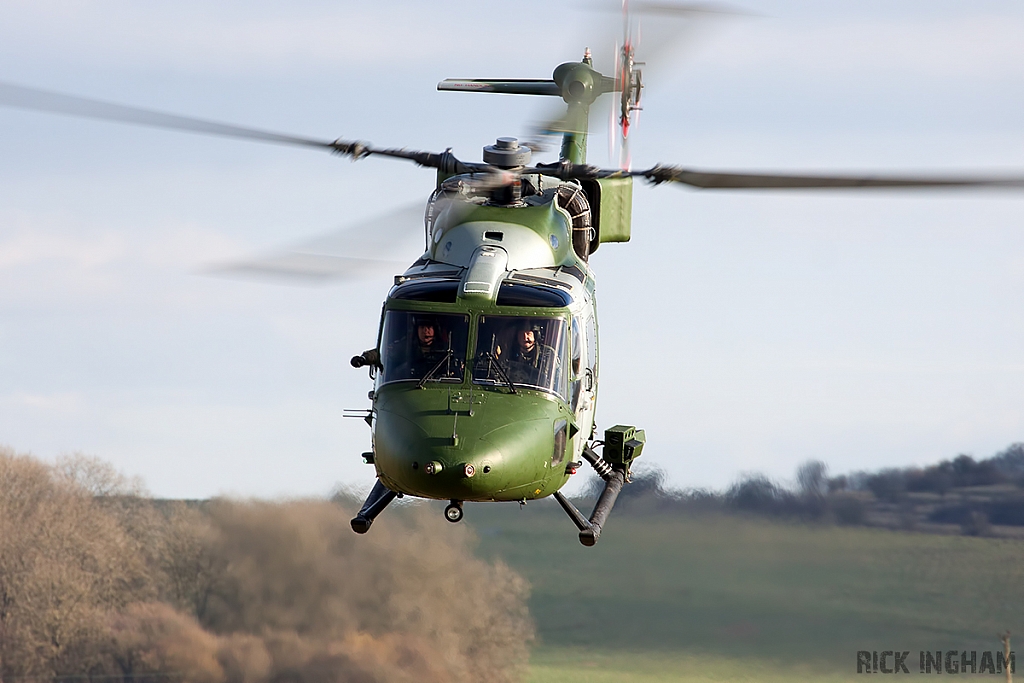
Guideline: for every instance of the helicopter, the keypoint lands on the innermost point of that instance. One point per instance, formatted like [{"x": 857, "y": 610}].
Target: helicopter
[{"x": 500, "y": 404}]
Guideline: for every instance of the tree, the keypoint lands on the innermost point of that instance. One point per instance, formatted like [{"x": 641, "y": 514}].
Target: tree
[
  {"x": 812, "y": 477},
  {"x": 97, "y": 580},
  {"x": 63, "y": 565}
]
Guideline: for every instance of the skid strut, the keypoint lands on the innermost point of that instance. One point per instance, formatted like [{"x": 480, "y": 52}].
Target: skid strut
[
  {"x": 379, "y": 498},
  {"x": 614, "y": 477}
]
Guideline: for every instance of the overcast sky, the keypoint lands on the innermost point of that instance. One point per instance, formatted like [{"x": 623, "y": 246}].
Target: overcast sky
[{"x": 744, "y": 331}]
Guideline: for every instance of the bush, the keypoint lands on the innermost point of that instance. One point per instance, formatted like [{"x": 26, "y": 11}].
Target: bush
[
  {"x": 968, "y": 472},
  {"x": 756, "y": 493},
  {"x": 1010, "y": 462},
  {"x": 889, "y": 485},
  {"x": 936, "y": 479},
  {"x": 848, "y": 510},
  {"x": 97, "y": 580},
  {"x": 840, "y": 483}
]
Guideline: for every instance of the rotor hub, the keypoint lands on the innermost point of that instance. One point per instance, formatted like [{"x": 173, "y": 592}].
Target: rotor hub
[{"x": 506, "y": 153}]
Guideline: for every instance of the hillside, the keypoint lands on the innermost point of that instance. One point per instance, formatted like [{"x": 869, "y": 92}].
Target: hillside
[
  {"x": 100, "y": 580},
  {"x": 677, "y": 596}
]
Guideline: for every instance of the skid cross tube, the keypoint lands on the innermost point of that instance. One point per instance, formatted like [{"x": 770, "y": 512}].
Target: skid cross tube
[
  {"x": 574, "y": 514},
  {"x": 380, "y": 497}
]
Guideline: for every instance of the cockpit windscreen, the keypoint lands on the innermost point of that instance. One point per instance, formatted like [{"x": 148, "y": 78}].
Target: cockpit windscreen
[
  {"x": 424, "y": 346},
  {"x": 527, "y": 351}
]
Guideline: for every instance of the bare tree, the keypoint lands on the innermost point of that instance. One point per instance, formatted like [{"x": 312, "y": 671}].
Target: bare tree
[
  {"x": 812, "y": 477},
  {"x": 191, "y": 568},
  {"x": 95, "y": 477},
  {"x": 62, "y": 567},
  {"x": 97, "y": 579}
]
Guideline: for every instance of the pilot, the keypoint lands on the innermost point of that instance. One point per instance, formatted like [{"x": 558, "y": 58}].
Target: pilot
[
  {"x": 425, "y": 349},
  {"x": 531, "y": 362},
  {"x": 426, "y": 335}
]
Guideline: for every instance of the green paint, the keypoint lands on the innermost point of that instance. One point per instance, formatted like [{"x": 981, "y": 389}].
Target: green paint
[
  {"x": 485, "y": 396},
  {"x": 507, "y": 438}
]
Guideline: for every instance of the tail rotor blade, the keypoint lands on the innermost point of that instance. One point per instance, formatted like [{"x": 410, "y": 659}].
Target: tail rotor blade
[{"x": 625, "y": 159}]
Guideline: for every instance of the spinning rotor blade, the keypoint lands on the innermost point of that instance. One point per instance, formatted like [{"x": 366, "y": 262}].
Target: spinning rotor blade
[
  {"x": 709, "y": 180},
  {"x": 366, "y": 249},
  {"x": 668, "y": 26},
  {"x": 770, "y": 181},
  {"x": 560, "y": 121},
  {"x": 313, "y": 269},
  {"x": 22, "y": 97},
  {"x": 653, "y": 34},
  {"x": 56, "y": 103}
]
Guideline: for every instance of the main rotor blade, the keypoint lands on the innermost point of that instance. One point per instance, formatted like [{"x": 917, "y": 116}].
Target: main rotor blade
[
  {"x": 366, "y": 249},
  {"x": 771, "y": 181},
  {"x": 57, "y": 103},
  {"x": 22, "y": 97},
  {"x": 708, "y": 180}
]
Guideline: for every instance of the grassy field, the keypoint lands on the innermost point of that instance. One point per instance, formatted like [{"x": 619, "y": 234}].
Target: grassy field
[{"x": 684, "y": 597}]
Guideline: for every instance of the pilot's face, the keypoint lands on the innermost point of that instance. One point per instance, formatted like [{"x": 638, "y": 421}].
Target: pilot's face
[
  {"x": 526, "y": 340},
  {"x": 425, "y": 333}
]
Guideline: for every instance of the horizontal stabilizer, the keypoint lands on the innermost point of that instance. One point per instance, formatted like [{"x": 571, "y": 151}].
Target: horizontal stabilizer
[{"x": 508, "y": 86}]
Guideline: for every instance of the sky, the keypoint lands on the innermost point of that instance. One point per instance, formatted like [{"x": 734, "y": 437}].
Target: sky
[{"x": 745, "y": 331}]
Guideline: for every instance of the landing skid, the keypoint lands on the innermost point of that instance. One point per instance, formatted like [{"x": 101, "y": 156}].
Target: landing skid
[
  {"x": 590, "y": 530},
  {"x": 621, "y": 445},
  {"x": 380, "y": 497}
]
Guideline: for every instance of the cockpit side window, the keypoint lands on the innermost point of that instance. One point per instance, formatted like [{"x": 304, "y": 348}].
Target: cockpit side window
[
  {"x": 576, "y": 363},
  {"x": 527, "y": 351},
  {"x": 592, "y": 344},
  {"x": 418, "y": 346}
]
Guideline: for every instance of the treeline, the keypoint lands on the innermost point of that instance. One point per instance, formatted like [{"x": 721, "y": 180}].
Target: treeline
[
  {"x": 752, "y": 493},
  {"x": 97, "y": 579},
  {"x": 973, "y": 494},
  {"x": 1006, "y": 467}
]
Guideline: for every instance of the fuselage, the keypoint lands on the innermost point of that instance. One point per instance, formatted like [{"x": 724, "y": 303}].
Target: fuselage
[{"x": 488, "y": 348}]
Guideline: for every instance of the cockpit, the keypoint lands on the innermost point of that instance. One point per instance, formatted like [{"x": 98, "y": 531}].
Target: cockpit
[
  {"x": 521, "y": 351},
  {"x": 424, "y": 346},
  {"x": 511, "y": 351}
]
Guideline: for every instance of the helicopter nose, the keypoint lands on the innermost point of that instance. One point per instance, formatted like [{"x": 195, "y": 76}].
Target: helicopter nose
[{"x": 499, "y": 460}]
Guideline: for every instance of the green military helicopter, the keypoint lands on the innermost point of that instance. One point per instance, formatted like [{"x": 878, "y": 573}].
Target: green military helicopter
[{"x": 486, "y": 367}]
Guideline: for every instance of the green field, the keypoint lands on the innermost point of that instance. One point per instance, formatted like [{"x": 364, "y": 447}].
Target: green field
[{"x": 710, "y": 597}]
